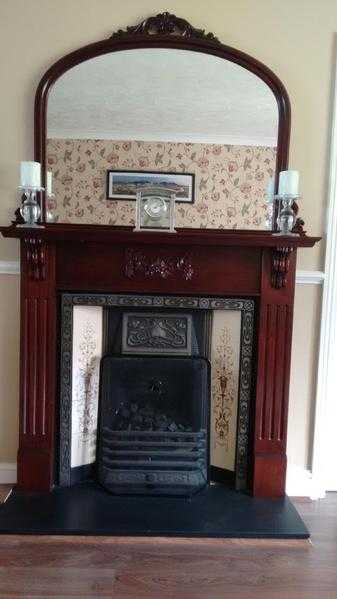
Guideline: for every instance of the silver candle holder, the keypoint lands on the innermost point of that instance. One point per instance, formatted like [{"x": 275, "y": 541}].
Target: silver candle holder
[
  {"x": 30, "y": 209},
  {"x": 51, "y": 217},
  {"x": 286, "y": 217}
]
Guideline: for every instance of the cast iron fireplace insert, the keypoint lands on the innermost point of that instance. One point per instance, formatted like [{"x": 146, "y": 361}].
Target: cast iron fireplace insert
[
  {"x": 153, "y": 431},
  {"x": 116, "y": 307}
]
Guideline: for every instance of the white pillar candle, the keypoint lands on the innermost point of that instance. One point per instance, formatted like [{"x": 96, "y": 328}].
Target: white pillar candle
[
  {"x": 30, "y": 174},
  {"x": 288, "y": 183},
  {"x": 49, "y": 183},
  {"x": 270, "y": 190}
]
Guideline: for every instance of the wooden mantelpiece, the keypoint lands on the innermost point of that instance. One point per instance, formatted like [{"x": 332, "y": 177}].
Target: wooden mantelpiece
[
  {"x": 92, "y": 258},
  {"x": 187, "y": 236}
]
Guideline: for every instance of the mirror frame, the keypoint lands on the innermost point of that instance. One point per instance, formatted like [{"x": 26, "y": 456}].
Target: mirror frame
[{"x": 164, "y": 30}]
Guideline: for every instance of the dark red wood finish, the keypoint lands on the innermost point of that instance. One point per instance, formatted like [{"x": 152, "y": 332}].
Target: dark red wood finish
[
  {"x": 37, "y": 365},
  {"x": 95, "y": 258},
  {"x": 88, "y": 271},
  {"x": 272, "y": 384},
  {"x": 162, "y": 31}
]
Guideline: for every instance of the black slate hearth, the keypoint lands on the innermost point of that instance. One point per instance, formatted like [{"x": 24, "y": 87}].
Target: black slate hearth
[{"x": 86, "y": 509}]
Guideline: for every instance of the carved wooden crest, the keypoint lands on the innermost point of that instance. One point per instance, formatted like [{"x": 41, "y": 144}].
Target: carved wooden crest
[
  {"x": 138, "y": 264},
  {"x": 166, "y": 23}
]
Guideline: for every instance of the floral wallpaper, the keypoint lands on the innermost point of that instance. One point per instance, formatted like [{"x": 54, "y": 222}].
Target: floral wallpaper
[{"x": 230, "y": 180}]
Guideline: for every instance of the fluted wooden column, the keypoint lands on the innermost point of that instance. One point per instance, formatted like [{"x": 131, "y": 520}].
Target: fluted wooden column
[
  {"x": 273, "y": 371},
  {"x": 37, "y": 378}
]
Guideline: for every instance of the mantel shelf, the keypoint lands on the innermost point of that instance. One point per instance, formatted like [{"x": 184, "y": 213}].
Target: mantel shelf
[{"x": 120, "y": 235}]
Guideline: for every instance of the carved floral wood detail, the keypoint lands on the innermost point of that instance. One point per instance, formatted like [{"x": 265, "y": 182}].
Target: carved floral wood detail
[
  {"x": 36, "y": 258},
  {"x": 280, "y": 266},
  {"x": 166, "y": 24},
  {"x": 157, "y": 266}
]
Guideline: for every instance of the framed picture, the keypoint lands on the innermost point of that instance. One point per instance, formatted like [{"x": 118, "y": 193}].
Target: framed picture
[{"x": 123, "y": 185}]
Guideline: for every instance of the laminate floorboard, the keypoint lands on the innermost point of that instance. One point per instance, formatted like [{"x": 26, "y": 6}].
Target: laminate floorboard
[{"x": 152, "y": 568}]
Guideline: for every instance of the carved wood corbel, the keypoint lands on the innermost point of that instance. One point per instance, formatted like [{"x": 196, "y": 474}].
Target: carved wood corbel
[
  {"x": 36, "y": 258},
  {"x": 280, "y": 266}
]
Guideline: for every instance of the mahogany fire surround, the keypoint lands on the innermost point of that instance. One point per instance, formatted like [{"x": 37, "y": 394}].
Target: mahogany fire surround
[{"x": 93, "y": 258}]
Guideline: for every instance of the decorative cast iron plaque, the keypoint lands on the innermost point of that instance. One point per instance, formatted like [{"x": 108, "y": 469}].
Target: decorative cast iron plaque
[{"x": 157, "y": 333}]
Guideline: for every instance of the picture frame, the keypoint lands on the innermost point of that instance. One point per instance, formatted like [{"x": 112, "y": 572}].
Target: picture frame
[{"x": 124, "y": 184}]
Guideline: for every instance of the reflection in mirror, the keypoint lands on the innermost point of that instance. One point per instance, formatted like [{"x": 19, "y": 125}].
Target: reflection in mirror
[{"x": 168, "y": 111}]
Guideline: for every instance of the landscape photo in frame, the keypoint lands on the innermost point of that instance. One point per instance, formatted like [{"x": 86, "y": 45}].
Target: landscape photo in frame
[{"x": 123, "y": 185}]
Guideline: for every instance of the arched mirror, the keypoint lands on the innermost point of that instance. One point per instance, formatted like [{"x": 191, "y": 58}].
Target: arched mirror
[{"x": 167, "y": 104}]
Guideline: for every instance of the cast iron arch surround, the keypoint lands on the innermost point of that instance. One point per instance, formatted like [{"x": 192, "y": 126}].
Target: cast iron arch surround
[{"x": 161, "y": 31}]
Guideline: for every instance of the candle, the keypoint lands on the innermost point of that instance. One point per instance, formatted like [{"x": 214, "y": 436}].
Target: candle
[
  {"x": 49, "y": 183},
  {"x": 30, "y": 174},
  {"x": 270, "y": 190},
  {"x": 288, "y": 183}
]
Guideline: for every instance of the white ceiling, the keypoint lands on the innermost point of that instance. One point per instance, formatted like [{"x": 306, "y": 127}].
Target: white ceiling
[{"x": 165, "y": 95}]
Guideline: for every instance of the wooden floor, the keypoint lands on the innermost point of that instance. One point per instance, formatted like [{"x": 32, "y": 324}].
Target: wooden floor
[{"x": 176, "y": 569}]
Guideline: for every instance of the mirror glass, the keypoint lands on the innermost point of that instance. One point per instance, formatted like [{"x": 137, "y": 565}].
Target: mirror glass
[{"x": 192, "y": 122}]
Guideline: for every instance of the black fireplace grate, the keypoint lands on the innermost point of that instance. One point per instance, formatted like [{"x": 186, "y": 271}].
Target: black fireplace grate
[
  {"x": 154, "y": 425},
  {"x": 153, "y": 461}
]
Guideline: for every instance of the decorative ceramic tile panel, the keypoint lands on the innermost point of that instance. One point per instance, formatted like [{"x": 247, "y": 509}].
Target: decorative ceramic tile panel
[
  {"x": 87, "y": 352},
  {"x": 225, "y": 360},
  {"x": 230, "y": 180}
]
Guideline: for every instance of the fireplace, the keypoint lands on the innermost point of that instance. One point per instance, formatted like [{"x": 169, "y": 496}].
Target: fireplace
[
  {"x": 250, "y": 274},
  {"x": 195, "y": 272},
  {"x": 153, "y": 432},
  {"x": 248, "y": 271},
  {"x": 131, "y": 348}
]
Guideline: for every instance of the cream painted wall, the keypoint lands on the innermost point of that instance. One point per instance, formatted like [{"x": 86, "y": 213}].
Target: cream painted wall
[
  {"x": 295, "y": 39},
  {"x": 9, "y": 366},
  {"x": 303, "y": 373}
]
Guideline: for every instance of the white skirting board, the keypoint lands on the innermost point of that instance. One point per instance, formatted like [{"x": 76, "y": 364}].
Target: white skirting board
[
  {"x": 7, "y": 473},
  {"x": 299, "y": 481}
]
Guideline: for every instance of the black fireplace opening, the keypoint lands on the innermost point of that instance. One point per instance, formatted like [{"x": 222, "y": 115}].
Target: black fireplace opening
[
  {"x": 153, "y": 429},
  {"x": 135, "y": 416}
]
